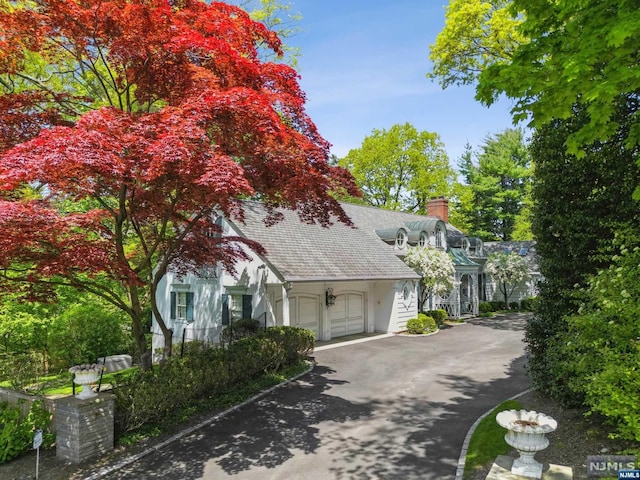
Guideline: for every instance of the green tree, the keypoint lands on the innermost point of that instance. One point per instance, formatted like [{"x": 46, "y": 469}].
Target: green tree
[
  {"x": 578, "y": 206},
  {"x": 574, "y": 72},
  {"x": 507, "y": 269},
  {"x": 497, "y": 187},
  {"x": 599, "y": 350},
  {"x": 477, "y": 33},
  {"x": 400, "y": 168},
  {"x": 195, "y": 121},
  {"x": 461, "y": 206},
  {"x": 85, "y": 332},
  {"x": 576, "y": 51}
]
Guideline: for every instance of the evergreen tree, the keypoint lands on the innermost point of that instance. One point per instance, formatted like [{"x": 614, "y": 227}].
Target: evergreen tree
[{"x": 500, "y": 185}]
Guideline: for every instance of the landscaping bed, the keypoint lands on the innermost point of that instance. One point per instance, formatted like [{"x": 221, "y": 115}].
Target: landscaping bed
[{"x": 574, "y": 439}]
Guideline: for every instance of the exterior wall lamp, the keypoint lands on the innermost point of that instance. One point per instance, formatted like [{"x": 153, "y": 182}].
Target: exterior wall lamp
[{"x": 330, "y": 298}]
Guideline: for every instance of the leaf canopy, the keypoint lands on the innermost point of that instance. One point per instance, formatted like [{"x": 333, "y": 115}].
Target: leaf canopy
[{"x": 138, "y": 122}]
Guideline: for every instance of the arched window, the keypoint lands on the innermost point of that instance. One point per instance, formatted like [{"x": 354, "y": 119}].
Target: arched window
[
  {"x": 423, "y": 240},
  {"x": 439, "y": 238},
  {"x": 401, "y": 239},
  {"x": 465, "y": 245}
]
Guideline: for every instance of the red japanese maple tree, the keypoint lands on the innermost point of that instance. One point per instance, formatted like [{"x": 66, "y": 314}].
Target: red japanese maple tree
[{"x": 130, "y": 123}]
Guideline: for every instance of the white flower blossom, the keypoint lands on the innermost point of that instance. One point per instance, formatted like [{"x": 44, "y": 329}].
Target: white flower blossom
[
  {"x": 508, "y": 269},
  {"x": 435, "y": 266}
]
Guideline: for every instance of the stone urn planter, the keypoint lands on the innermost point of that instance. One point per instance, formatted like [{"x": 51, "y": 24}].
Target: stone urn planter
[
  {"x": 85, "y": 375},
  {"x": 526, "y": 432}
]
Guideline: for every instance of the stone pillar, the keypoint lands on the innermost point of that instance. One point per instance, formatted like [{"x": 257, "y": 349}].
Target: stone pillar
[{"x": 84, "y": 427}]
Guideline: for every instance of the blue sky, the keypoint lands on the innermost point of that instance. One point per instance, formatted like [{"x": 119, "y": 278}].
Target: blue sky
[{"x": 363, "y": 66}]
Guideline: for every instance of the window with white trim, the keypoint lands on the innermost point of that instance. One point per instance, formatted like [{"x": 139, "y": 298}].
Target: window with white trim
[
  {"x": 182, "y": 306},
  {"x": 423, "y": 241},
  {"x": 236, "y": 306},
  {"x": 401, "y": 239},
  {"x": 465, "y": 245},
  {"x": 439, "y": 238}
]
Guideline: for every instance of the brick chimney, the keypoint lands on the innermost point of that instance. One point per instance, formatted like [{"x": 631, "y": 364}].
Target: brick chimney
[{"x": 438, "y": 207}]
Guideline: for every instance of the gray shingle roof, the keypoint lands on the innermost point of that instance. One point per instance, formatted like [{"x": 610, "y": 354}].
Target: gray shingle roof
[{"x": 303, "y": 252}]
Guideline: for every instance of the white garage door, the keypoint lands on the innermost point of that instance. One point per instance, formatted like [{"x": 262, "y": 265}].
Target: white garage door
[
  {"x": 304, "y": 313},
  {"x": 347, "y": 315}
]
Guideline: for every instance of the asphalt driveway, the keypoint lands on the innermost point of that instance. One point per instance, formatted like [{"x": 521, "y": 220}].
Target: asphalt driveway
[{"x": 392, "y": 408}]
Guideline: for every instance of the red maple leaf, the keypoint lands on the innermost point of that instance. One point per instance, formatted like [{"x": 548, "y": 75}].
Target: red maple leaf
[{"x": 151, "y": 117}]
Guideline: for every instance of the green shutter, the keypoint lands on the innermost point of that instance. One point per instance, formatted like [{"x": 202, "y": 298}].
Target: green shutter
[
  {"x": 246, "y": 306},
  {"x": 189, "y": 307},
  {"x": 225, "y": 309},
  {"x": 173, "y": 305}
]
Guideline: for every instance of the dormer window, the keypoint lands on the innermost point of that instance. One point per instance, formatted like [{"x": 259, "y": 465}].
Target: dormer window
[
  {"x": 423, "y": 240},
  {"x": 439, "y": 238},
  {"x": 465, "y": 245},
  {"x": 401, "y": 239}
]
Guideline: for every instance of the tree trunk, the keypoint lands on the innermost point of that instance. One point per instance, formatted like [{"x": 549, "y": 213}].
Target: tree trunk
[
  {"x": 167, "y": 333},
  {"x": 506, "y": 295},
  {"x": 144, "y": 359},
  {"x": 144, "y": 355}
]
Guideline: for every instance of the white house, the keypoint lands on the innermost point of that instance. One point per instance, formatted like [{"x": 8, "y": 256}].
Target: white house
[{"x": 335, "y": 281}]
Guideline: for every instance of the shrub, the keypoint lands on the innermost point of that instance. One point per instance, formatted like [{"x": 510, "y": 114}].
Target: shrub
[
  {"x": 527, "y": 304},
  {"x": 496, "y": 306},
  {"x": 297, "y": 342},
  {"x": 415, "y": 326},
  {"x": 421, "y": 324},
  {"x": 16, "y": 431},
  {"x": 251, "y": 356},
  {"x": 485, "y": 307},
  {"x": 514, "y": 306},
  {"x": 203, "y": 372},
  {"x": 245, "y": 327},
  {"x": 438, "y": 315},
  {"x": 430, "y": 324}
]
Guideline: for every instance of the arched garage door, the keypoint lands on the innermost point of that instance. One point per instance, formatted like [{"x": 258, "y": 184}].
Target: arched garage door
[
  {"x": 347, "y": 314},
  {"x": 305, "y": 313}
]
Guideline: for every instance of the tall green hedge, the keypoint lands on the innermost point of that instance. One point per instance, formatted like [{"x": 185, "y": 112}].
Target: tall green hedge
[
  {"x": 204, "y": 372},
  {"x": 579, "y": 205},
  {"x": 599, "y": 353}
]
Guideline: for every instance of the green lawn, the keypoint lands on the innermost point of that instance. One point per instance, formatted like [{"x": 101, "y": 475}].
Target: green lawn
[
  {"x": 487, "y": 441},
  {"x": 61, "y": 384}
]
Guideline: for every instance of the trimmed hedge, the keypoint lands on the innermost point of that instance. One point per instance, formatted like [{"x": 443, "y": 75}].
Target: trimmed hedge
[
  {"x": 246, "y": 327},
  {"x": 438, "y": 315},
  {"x": 204, "y": 372},
  {"x": 485, "y": 307},
  {"x": 421, "y": 324}
]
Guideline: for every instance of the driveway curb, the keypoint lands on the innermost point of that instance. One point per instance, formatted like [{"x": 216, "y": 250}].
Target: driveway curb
[
  {"x": 154, "y": 448},
  {"x": 465, "y": 445}
]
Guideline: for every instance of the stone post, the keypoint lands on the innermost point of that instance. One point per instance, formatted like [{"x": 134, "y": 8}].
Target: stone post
[{"x": 84, "y": 427}]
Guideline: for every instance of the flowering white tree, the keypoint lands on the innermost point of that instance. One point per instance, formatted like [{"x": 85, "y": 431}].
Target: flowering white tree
[
  {"x": 436, "y": 268},
  {"x": 508, "y": 269}
]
